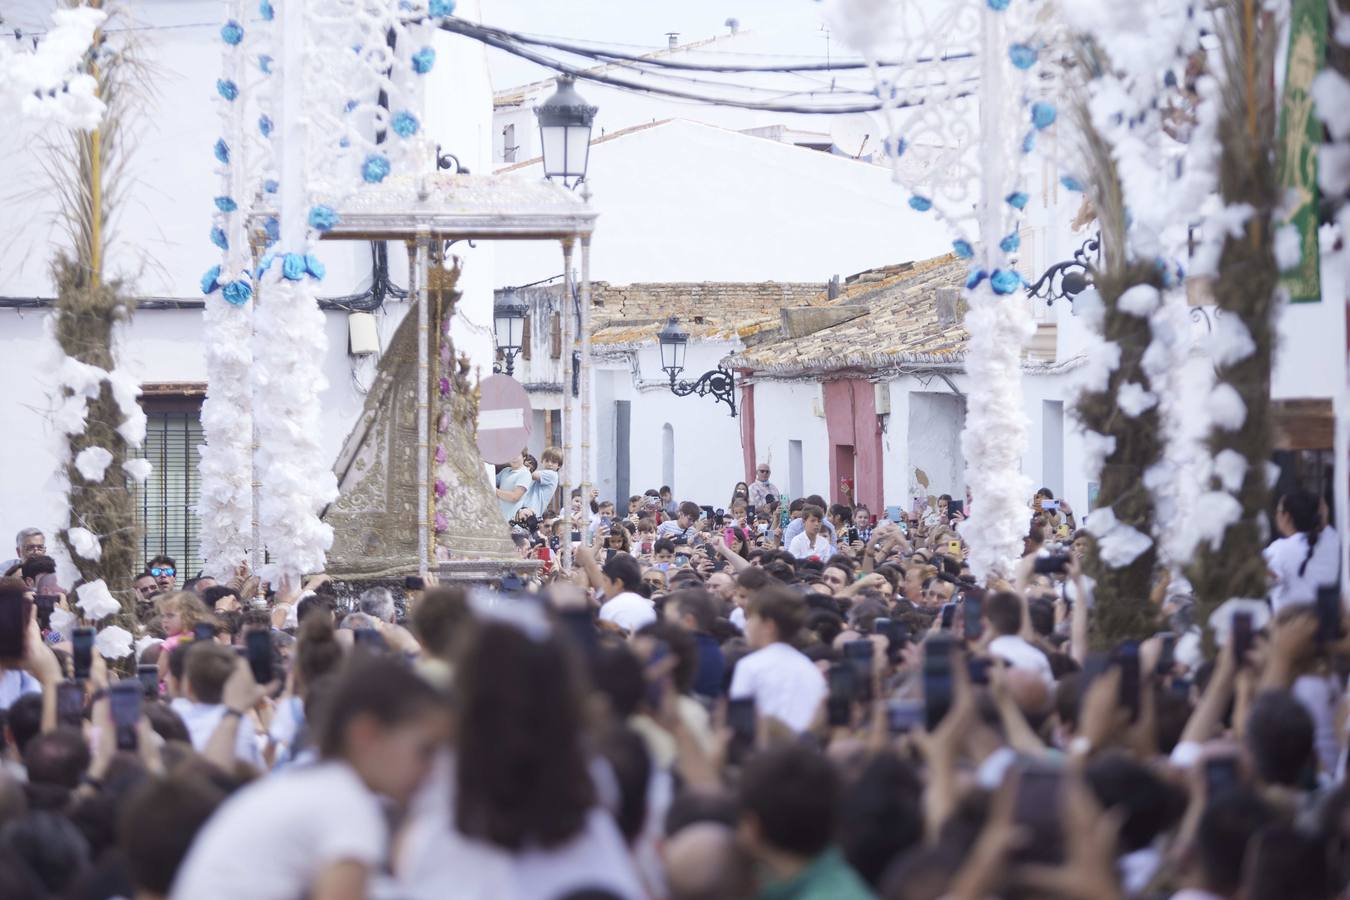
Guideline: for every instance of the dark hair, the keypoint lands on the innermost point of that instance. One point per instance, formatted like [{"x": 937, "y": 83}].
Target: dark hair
[
  {"x": 15, "y": 609},
  {"x": 782, "y": 606},
  {"x": 1285, "y": 864},
  {"x": 663, "y": 545},
  {"x": 840, "y": 511},
  {"x": 520, "y": 786},
  {"x": 681, "y": 644},
  {"x": 1042, "y": 613},
  {"x": 207, "y": 666},
  {"x": 178, "y": 807},
  {"x": 1280, "y": 738},
  {"x": 1230, "y": 820},
  {"x": 1004, "y": 612},
  {"x": 690, "y": 508},
  {"x": 624, "y": 569},
  {"x": 1151, "y": 805},
  {"x": 310, "y": 604},
  {"x": 752, "y": 579},
  {"x": 698, "y": 605},
  {"x": 616, "y": 675},
  {"x": 791, "y": 790},
  {"x": 811, "y": 511},
  {"x": 159, "y": 561},
  {"x": 49, "y": 845},
  {"x": 880, "y": 815},
  {"x": 41, "y": 564},
  {"x": 827, "y": 625},
  {"x": 1046, "y": 493},
  {"x": 317, "y": 652},
  {"x": 439, "y": 618},
  {"x": 24, "y": 720},
  {"x": 1303, "y": 510},
  {"x": 377, "y": 685},
  {"x": 626, "y": 753},
  {"x": 58, "y": 757}
]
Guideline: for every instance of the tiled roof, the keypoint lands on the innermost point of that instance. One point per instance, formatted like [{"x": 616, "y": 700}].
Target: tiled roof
[
  {"x": 624, "y": 315},
  {"x": 900, "y": 326}
]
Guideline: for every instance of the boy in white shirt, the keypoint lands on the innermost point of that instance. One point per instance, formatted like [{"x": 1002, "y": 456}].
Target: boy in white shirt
[
  {"x": 812, "y": 542},
  {"x": 545, "y": 481},
  {"x": 782, "y": 681}
]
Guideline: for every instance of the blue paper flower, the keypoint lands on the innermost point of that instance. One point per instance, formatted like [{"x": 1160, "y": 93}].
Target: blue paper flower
[
  {"x": 271, "y": 186},
  {"x": 210, "y": 280},
  {"x": 920, "y": 204},
  {"x": 232, "y": 33},
  {"x": 1029, "y": 142},
  {"x": 1017, "y": 199},
  {"x": 1010, "y": 243},
  {"x": 1042, "y": 114},
  {"x": 273, "y": 229},
  {"x": 218, "y": 238},
  {"x": 265, "y": 125},
  {"x": 976, "y": 276},
  {"x": 226, "y": 204},
  {"x": 264, "y": 264},
  {"x": 237, "y": 292},
  {"x": 351, "y": 105},
  {"x": 344, "y": 143},
  {"x": 962, "y": 248},
  {"x": 266, "y": 11},
  {"x": 375, "y": 169},
  {"x": 265, "y": 63},
  {"x": 1005, "y": 281},
  {"x": 997, "y": 5},
  {"x": 322, "y": 218},
  {"x": 441, "y": 7},
  {"x": 423, "y": 60},
  {"x": 222, "y": 151},
  {"x": 405, "y": 124},
  {"x": 1072, "y": 184},
  {"x": 314, "y": 267},
  {"x": 293, "y": 267},
  {"x": 1023, "y": 56},
  {"x": 227, "y": 88}
]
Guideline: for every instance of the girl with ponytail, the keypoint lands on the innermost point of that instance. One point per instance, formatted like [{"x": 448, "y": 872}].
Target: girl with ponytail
[{"x": 1296, "y": 566}]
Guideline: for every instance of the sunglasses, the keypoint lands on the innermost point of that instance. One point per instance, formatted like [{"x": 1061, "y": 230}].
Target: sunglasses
[{"x": 157, "y": 571}]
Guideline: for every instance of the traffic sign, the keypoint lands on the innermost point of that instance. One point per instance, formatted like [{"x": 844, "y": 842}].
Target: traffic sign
[{"x": 504, "y": 420}]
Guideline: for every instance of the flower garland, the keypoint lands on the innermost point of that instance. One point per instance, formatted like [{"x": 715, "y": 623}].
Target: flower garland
[{"x": 48, "y": 83}]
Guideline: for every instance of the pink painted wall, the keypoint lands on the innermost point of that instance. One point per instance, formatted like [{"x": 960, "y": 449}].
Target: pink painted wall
[
  {"x": 851, "y": 420},
  {"x": 747, "y": 414}
]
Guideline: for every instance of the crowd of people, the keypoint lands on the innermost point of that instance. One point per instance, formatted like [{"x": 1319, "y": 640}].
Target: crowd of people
[{"x": 765, "y": 699}]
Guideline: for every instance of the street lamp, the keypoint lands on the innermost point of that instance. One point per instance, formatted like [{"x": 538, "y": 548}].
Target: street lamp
[
  {"x": 719, "y": 382},
  {"x": 1069, "y": 278},
  {"x": 565, "y": 133},
  {"x": 508, "y": 326}
]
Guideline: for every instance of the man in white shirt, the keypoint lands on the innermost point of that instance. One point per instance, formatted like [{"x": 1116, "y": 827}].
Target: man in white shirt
[
  {"x": 1003, "y": 617},
  {"x": 207, "y": 667},
  {"x": 620, "y": 578},
  {"x": 761, "y": 489},
  {"x": 782, "y": 681},
  {"x": 812, "y": 542},
  {"x": 512, "y": 483}
]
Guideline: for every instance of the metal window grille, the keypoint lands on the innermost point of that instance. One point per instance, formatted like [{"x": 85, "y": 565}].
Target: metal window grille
[{"x": 166, "y": 502}]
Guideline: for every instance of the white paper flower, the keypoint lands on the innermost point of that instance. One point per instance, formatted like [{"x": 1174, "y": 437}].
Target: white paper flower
[
  {"x": 145, "y": 642},
  {"x": 138, "y": 469},
  {"x": 63, "y": 621},
  {"x": 93, "y": 462},
  {"x": 96, "y": 602},
  {"x": 1231, "y": 468},
  {"x": 1226, "y": 409},
  {"x": 1140, "y": 300},
  {"x": 85, "y": 543},
  {"x": 1288, "y": 247},
  {"x": 1118, "y": 544},
  {"x": 1134, "y": 400},
  {"x": 113, "y": 642}
]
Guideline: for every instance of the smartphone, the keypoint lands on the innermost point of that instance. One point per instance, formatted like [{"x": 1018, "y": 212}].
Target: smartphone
[
  {"x": 149, "y": 679},
  {"x": 1049, "y": 504},
  {"x": 978, "y": 668},
  {"x": 1127, "y": 658},
  {"x": 45, "y": 604},
  {"x": 741, "y": 721},
  {"x": 956, "y": 506},
  {"x": 1221, "y": 774},
  {"x": 655, "y": 686},
  {"x": 707, "y": 512},
  {"x": 954, "y": 548},
  {"x": 605, "y": 521},
  {"x": 258, "y": 650},
  {"x": 203, "y": 631},
  {"x": 937, "y": 678},
  {"x": 1242, "y": 636},
  {"x": 839, "y": 705},
  {"x": 1036, "y": 808},
  {"x": 1328, "y": 605},
  {"x": 853, "y": 536},
  {"x": 576, "y": 537},
  {"x": 124, "y": 699},
  {"x": 894, "y": 514},
  {"x": 70, "y": 704},
  {"x": 414, "y": 583},
  {"x": 82, "y": 651},
  {"x": 1167, "y": 654},
  {"x": 859, "y": 655},
  {"x": 948, "y": 616},
  {"x": 784, "y": 517},
  {"x": 903, "y": 715},
  {"x": 972, "y": 605},
  {"x": 1054, "y": 564}
]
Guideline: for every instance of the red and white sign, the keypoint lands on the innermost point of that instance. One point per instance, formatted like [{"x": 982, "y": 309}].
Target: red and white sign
[{"x": 504, "y": 420}]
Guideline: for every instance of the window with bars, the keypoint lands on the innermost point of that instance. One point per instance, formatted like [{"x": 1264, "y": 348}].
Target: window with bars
[{"x": 166, "y": 502}]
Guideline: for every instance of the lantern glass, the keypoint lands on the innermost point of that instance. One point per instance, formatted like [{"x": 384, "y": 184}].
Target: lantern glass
[
  {"x": 565, "y": 133},
  {"x": 674, "y": 343}
]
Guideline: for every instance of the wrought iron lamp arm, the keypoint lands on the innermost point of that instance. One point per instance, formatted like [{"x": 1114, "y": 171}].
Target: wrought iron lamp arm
[
  {"x": 720, "y": 382},
  {"x": 1051, "y": 287}
]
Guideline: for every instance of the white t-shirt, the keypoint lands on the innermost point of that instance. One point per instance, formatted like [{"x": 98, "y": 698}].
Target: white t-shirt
[
  {"x": 1284, "y": 558},
  {"x": 274, "y": 837},
  {"x": 540, "y": 493},
  {"x": 509, "y": 479},
  {"x": 629, "y": 611},
  {"x": 201, "y": 720},
  {"x": 14, "y": 683},
  {"x": 803, "y": 547},
  {"x": 1022, "y": 655},
  {"x": 783, "y": 682},
  {"x": 436, "y": 861}
]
